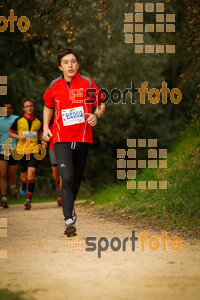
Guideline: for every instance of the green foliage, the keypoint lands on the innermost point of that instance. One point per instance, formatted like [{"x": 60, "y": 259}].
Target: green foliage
[
  {"x": 179, "y": 205},
  {"x": 5, "y": 294}
]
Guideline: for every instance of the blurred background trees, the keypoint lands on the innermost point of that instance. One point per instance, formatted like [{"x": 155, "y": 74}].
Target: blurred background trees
[{"x": 96, "y": 30}]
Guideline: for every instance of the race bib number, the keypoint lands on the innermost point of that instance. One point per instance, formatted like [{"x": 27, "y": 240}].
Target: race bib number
[
  {"x": 30, "y": 134},
  {"x": 73, "y": 116}
]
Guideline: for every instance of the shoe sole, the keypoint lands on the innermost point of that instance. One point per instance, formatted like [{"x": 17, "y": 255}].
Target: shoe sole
[
  {"x": 27, "y": 206},
  {"x": 70, "y": 231},
  {"x": 72, "y": 234}
]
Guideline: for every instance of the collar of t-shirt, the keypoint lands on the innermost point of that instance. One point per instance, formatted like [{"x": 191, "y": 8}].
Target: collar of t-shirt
[{"x": 31, "y": 118}]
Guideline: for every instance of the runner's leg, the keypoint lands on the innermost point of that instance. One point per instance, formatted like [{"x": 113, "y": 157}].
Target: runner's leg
[
  {"x": 56, "y": 177},
  {"x": 23, "y": 175},
  {"x": 64, "y": 159},
  {"x": 12, "y": 174},
  {"x": 80, "y": 154},
  {"x": 32, "y": 165},
  {"x": 54, "y": 168},
  {"x": 23, "y": 179},
  {"x": 12, "y": 168},
  {"x": 31, "y": 181},
  {"x": 3, "y": 176}
]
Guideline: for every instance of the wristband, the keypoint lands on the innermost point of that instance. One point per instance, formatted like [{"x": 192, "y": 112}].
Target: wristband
[
  {"x": 96, "y": 115},
  {"x": 45, "y": 141}
]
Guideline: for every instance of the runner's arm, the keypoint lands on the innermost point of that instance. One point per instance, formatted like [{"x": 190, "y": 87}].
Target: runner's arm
[
  {"x": 41, "y": 137},
  {"x": 47, "y": 115},
  {"x": 100, "y": 110},
  {"x": 13, "y": 131},
  {"x": 92, "y": 119},
  {"x": 16, "y": 136}
]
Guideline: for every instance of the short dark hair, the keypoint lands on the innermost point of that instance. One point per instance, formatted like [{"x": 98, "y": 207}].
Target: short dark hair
[
  {"x": 8, "y": 102},
  {"x": 66, "y": 51},
  {"x": 28, "y": 99}
]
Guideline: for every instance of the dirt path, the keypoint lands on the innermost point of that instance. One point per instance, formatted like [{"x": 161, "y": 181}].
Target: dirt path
[{"x": 41, "y": 262}]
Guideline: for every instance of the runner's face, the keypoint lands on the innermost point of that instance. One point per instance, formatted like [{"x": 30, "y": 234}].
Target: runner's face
[
  {"x": 9, "y": 109},
  {"x": 29, "y": 108},
  {"x": 69, "y": 66}
]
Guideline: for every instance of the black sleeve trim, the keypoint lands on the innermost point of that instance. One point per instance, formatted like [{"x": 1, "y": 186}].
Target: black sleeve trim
[
  {"x": 13, "y": 127},
  {"x": 48, "y": 107}
]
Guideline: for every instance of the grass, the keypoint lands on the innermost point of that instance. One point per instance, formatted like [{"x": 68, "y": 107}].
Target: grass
[
  {"x": 5, "y": 294},
  {"x": 177, "y": 206}
]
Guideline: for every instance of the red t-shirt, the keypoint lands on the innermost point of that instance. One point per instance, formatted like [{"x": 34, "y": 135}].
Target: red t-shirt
[{"x": 71, "y": 103}]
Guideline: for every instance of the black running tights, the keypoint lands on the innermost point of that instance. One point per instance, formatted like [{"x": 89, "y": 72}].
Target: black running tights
[{"x": 71, "y": 160}]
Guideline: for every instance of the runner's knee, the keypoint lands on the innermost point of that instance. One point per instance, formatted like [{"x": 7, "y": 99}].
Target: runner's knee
[
  {"x": 75, "y": 187},
  {"x": 3, "y": 174},
  {"x": 23, "y": 176},
  {"x": 67, "y": 181}
]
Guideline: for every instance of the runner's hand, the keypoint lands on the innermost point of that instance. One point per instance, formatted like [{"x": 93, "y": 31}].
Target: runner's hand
[
  {"x": 92, "y": 119},
  {"x": 44, "y": 143},
  {"x": 22, "y": 137},
  {"x": 47, "y": 135}
]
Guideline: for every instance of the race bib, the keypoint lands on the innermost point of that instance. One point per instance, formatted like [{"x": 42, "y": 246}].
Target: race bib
[
  {"x": 30, "y": 134},
  {"x": 73, "y": 116}
]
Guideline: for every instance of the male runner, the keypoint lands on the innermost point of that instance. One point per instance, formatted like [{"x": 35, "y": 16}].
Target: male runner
[
  {"x": 72, "y": 130},
  {"x": 9, "y": 165},
  {"x": 26, "y": 129}
]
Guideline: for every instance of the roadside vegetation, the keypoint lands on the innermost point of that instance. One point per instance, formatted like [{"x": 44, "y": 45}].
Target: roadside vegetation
[{"x": 179, "y": 204}]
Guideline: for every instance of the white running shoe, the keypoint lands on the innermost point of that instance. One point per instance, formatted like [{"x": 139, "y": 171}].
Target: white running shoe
[
  {"x": 70, "y": 229},
  {"x": 4, "y": 202}
]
